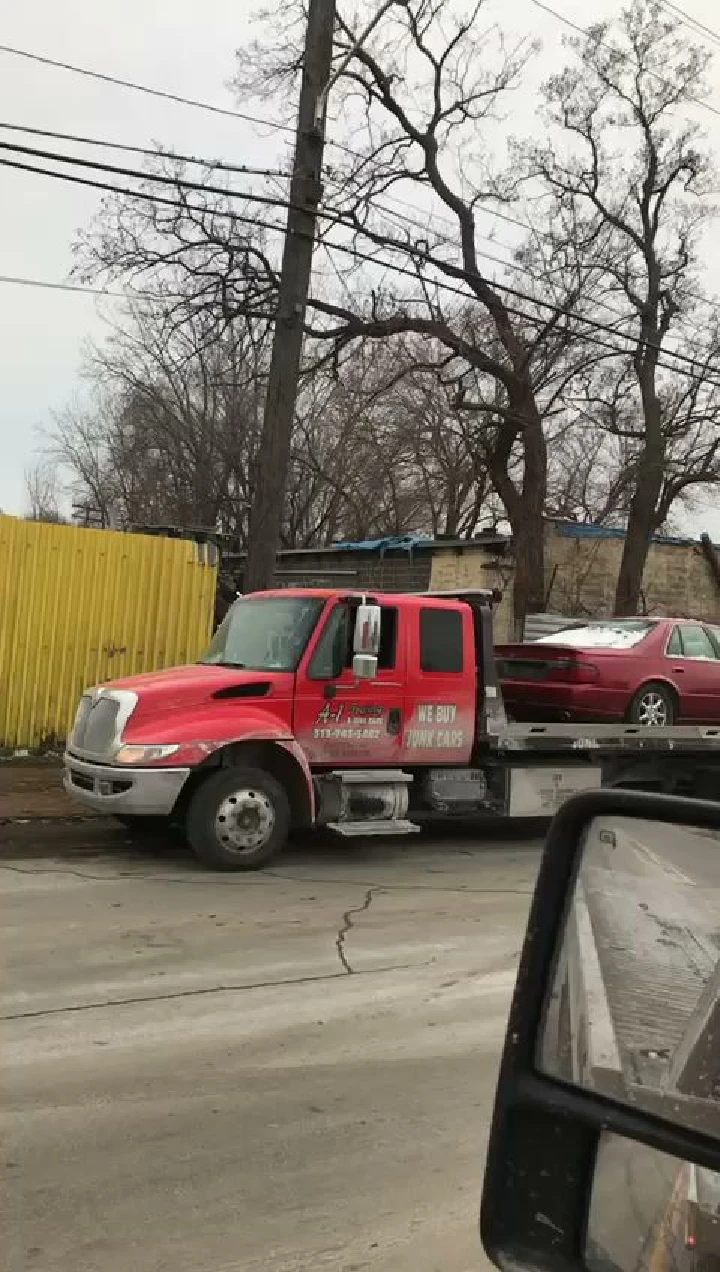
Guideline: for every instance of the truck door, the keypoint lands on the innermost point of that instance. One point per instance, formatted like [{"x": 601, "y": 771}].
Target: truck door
[
  {"x": 442, "y": 685},
  {"x": 340, "y": 720}
]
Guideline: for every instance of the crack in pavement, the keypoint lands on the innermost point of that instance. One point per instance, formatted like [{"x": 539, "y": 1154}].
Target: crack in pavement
[
  {"x": 76, "y": 1008},
  {"x": 347, "y": 925},
  {"x": 199, "y": 879}
]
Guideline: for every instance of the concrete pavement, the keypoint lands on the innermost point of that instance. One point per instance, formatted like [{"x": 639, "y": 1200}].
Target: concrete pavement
[{"x": 289, "y": 1070}]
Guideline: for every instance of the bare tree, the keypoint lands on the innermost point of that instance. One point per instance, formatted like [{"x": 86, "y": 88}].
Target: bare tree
[
  {"x": 169, "y": 428},
  {"x": 42, "y": 490},
  {"x": 168, "y": 434},
  {"x": 416, "y": 99},
  {"x": 628, "y": 169}
]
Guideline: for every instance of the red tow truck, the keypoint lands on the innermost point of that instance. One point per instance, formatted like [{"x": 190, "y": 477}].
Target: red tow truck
[{"x": 367, "y": 714}]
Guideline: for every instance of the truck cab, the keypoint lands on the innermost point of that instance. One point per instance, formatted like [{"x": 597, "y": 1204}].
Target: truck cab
[{"x": 309, "y": 707}]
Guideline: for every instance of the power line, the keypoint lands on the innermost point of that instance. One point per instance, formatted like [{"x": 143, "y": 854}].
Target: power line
[
  {"x": 239, "y": 169},
  {"x": 273, "y": 124},
  {"x": 132, "y": 293},
  {"x": 693, "y": 24},
  {"x": 202, "y": 187},
  {"x": 236, "y": 169},
  {"x": 392, "y": 267},
  {"x": 539, "y": 4},
  {"x": 219, "y": 164},
  {"x": 205, "y": 188},
  {"x": 17, "y": 281},
  {"x": 357, "y": 254},
  {"x": 269, "y": 173}
]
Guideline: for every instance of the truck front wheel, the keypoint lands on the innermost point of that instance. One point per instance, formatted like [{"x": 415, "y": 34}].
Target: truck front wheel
[{"x": 238, "y": 819}]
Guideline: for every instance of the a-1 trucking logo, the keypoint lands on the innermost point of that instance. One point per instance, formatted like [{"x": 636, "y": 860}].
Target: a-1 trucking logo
[
  {"x": 352, "y": 722},
  {"x": 434, "y": 727}
]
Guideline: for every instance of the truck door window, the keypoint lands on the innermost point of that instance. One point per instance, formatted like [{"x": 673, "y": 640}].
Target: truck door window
[
  {"x": 441, "y": 640},
  {"x": 387, "y": 653},
  {"x": 333, "y": 653}
]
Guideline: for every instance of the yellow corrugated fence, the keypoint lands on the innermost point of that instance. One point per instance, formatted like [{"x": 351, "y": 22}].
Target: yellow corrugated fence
[{"x": 81, "y": 606}]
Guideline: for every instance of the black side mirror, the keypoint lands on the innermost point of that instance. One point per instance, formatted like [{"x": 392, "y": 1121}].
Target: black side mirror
[{"x": 605, "y": 1144}]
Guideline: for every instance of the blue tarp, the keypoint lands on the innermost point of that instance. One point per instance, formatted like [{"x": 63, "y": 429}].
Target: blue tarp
[
  {"x": 583, "y": 530},
  {"x": 396, "y": 542}
]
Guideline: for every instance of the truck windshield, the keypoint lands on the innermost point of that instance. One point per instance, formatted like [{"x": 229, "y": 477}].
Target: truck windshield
[{"x": 264, "y": 633}]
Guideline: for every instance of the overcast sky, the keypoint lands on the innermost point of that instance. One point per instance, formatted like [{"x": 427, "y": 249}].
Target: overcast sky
[{"x": 182, "y": 47}]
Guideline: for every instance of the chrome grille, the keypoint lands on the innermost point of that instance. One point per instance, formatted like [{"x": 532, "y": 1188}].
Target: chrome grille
[
  {"x": 81, "y": 717},
  {"x": 96, "y": 725}
]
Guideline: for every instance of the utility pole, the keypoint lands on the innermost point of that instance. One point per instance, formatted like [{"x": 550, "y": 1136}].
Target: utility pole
[{"x": 305, "y": 194}]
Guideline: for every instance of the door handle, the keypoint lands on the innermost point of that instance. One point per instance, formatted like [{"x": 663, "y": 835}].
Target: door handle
[
  {"x": 679, "y": 670},
  {"x": 394, "y": 720}
]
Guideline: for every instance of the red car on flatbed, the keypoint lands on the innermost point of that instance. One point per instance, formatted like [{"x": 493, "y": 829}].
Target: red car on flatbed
[{"x": 647, "y": 671}]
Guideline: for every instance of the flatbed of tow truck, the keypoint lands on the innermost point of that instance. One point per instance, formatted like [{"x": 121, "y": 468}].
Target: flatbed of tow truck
[{"x": 605, "y": 737}]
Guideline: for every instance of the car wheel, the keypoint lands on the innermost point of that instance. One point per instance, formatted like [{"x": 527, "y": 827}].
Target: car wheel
[
  {"x": 654, "y": 706},
  {"x": 238, "y": 819}
]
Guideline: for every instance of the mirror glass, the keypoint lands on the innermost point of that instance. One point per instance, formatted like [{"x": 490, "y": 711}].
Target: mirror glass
[
  {"x": 650, "y": 1212},
  {"x": 634, "y": 1009},
  {"x": 367, "y": 630}
]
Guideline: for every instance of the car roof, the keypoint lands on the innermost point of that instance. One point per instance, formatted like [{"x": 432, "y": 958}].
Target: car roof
[{"x": 652, "y": 619}]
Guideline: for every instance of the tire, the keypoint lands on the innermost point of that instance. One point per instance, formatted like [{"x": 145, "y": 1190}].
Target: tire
[
  {"x": 653, "y": 700},
  {"x": 212, "y": 826}
]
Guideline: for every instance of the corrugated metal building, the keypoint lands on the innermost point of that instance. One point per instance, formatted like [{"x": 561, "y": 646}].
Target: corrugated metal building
[{"x": 81, "y": 606}]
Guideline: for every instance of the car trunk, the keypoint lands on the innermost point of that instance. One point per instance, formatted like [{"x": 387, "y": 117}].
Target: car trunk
[
  {"x": 537, "y": 680},
  {"x": 559, "y": 664}
]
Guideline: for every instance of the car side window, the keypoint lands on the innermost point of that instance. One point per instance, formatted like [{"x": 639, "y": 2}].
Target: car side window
[
  {"x": 333, "y": 653},
  {"x": 674, "y": 645},
  {"x": 696, "y": 642}
]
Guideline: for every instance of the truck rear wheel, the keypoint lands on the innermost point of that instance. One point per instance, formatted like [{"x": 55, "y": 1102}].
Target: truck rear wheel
[{"x": 238, "y": 819}]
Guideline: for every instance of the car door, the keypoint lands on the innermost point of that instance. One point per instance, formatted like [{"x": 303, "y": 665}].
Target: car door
[
  {"x": 695, "y": 669},
  {"x": 340, "y": 720}
]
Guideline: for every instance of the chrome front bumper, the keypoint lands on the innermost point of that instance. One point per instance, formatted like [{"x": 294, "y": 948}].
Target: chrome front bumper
[{"x": 129, "y": 792}]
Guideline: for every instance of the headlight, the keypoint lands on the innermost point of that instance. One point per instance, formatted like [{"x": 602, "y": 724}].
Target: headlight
[{"x": 144, "y": 754}]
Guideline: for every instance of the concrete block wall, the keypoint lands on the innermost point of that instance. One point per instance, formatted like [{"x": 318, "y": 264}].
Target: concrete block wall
[
  {"x": 391, "y": 572},
  {"x": 475, "y": 567},
  {"x": 582, "y": 571}
]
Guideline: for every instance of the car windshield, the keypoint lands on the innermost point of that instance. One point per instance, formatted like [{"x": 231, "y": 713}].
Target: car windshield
[
  {"x": 264, "y": 633},
  {"x": 611, "y": 633}
]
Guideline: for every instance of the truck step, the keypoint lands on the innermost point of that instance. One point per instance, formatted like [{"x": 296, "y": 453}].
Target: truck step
[{"x": 351, "y": 830}]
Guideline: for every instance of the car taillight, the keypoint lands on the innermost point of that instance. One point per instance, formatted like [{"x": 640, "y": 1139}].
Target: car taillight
[{"x": 573, "y": 671}]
